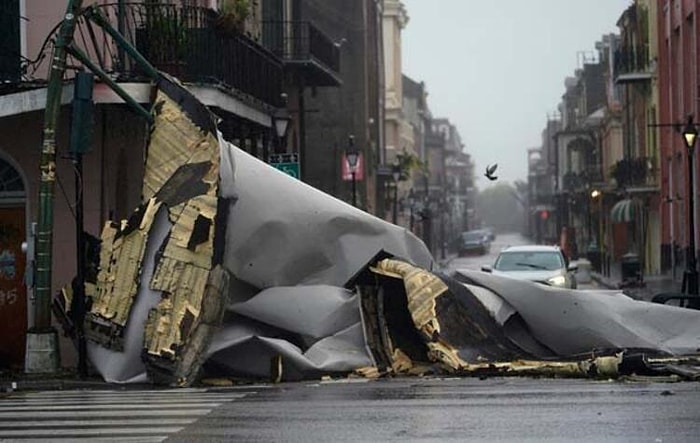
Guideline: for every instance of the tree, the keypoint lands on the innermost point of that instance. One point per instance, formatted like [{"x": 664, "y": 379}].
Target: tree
[{"x": 500, "y": 207}]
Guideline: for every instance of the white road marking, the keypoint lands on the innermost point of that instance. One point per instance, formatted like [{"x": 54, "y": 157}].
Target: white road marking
[{"x": 105, "y": 415}]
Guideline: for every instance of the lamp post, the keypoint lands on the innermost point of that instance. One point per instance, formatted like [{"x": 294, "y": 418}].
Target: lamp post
[
  {"x": 411, "y": 203},
  {"x": 396, "y": 175},
  {"x": 352, "y": 156},
  {"x": 596, "y": 194},
  {"x": 690, "y": 276},
  {"x": 280, "y": 120},
  {"x": 443, "y": 243}
]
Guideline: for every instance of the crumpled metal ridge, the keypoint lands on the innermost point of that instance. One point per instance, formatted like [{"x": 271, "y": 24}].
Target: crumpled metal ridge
[{"x": 181, "y": 175}]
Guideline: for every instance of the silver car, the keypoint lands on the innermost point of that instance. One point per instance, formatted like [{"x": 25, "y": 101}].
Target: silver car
[{"x": 538, "y": 263}]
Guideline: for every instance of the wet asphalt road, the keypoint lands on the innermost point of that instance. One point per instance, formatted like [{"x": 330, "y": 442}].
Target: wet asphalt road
[
  {"x": 497, "y": 409},
  {"x": 460, "y": 409}
]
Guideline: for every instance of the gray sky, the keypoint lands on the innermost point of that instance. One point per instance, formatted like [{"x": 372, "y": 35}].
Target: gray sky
[{"x": 497, "y": 68}]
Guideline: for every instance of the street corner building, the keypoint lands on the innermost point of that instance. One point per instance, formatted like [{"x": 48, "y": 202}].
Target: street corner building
[{"x": 231, "y": 268}]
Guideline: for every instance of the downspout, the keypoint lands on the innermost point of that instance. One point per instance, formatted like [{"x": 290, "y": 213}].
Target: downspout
[
  {"x": 671, "y": 178},
  {"x": 670, "y": 217}
]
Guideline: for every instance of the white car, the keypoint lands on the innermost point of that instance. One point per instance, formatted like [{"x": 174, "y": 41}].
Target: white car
[{"x": 538, "y": 263}]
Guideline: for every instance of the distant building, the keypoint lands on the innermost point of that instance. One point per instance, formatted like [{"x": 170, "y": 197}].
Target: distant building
[{"x": 355, "y": 108}]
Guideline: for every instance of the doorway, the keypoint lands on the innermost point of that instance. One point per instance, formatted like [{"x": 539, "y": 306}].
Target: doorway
[{"x": 13, "y": 289}]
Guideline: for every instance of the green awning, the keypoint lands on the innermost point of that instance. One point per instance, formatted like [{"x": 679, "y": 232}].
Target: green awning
[{"x": 624, "y": 211}]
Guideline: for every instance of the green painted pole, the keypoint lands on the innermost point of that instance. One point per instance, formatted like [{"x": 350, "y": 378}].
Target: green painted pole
[
  {"x": 42, "y": 290},
  {"x": 80, "y": 55}
]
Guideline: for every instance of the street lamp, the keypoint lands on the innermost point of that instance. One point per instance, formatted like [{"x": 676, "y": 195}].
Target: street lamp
[
  {"x": 280, "y": 120},
  {"x": 690, "y": 276},
  {"x": 396, "y": 175},
  {"x": 411, "y": 203},
  {"x": 353, "y": 157},
  {"x": 597, "y": 194}
]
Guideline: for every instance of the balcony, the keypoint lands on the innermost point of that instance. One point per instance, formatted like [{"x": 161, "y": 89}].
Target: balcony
[
  {"x": 188, "y": 42},
  {"x": 583, "y": 180},
  {"x": 305, "y": 50},
  {"x": 632, "y": 65},
  {"x": 634, "y": 173}
]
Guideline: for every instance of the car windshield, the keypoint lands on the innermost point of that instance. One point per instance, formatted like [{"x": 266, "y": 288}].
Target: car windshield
[
  {"x": 472, "y": 236},
  {"x": 529, "y": 261}
]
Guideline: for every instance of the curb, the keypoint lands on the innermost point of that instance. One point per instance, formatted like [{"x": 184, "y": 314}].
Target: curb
[
  {"x": 50, "y": 385},
  {"x": 603, "y": 281},
  {"x": 64, "y": 380}
]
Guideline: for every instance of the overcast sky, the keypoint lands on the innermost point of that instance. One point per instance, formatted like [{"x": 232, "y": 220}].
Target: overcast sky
[{"x": 496, "y": 69}]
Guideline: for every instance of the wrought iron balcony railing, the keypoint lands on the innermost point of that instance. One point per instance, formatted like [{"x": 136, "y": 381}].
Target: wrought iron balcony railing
[
  {"x": 573, "y": 181},
  {"x": 300, "y": 44},
  {"x": 632, "y": 65},
  {"x": 189, "y": 43},
  {"x": 542, "y": 199},
  {"x": 634, "y": 172}
]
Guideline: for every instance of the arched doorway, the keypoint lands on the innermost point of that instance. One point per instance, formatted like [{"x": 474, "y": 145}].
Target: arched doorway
[{"x": 13, "y": 290}]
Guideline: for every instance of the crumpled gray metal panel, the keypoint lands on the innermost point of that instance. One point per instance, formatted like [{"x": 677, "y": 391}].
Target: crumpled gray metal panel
[
  {"x": 573, "y": 322},
  {"x": 314, "y": 311},
  {"x": 283, "y": 232},
  {"x": 315, "y": 329},
  {"x": 246, "y": 351},
  {"x": 299, "y": 247}
]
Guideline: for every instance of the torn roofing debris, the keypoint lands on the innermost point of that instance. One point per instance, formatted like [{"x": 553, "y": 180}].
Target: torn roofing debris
[{"x": 230, "y": 268}]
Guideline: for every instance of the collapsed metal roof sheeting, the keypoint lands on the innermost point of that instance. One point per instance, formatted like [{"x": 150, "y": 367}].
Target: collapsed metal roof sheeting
[
  {"x": 232, "y": 268},
  {"x": 175, "y": 269}
]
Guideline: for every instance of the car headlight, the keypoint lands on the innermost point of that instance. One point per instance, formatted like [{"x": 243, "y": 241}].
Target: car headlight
[{"x": 559, "y": 280}]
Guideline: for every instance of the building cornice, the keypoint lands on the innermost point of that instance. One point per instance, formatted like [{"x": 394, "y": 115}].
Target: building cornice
[
  {"x": 35, "y": 100},
  {"x": 395, "y": 9}
]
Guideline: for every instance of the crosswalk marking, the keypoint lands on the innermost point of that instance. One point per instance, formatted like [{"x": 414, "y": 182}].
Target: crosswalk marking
[
  {"x": 120, "y": 439},
  {"x": 92, "y": 432},
  {"x": 101, "y": 401},
  {"x": 68, "y": 414},
  {"x": 106, "y": 405},
  {"x": 101, "y": 422},
  {"x": 105, "y": 415}
]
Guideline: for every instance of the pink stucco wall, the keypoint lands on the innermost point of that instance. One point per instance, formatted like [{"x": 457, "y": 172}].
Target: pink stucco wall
[
  {"x": 112, "y": 178},
  {"x": 679, "y": 83}
]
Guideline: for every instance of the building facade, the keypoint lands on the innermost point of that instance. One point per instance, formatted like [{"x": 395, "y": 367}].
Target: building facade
[
  {"x": 678, "y": 80},
  {"x": 220, "y": 57}
]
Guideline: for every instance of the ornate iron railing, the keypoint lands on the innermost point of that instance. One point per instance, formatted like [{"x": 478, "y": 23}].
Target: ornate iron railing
[
  {"x": 301, "y": 41},
  {"x": 637, "y": 171},
  {"x": 631, "y": 61},
  {"x": 576, "y": 181},
  {"x": 192, "y": 43}
]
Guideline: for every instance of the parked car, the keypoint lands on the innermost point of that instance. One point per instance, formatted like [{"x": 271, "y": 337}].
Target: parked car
[
  {"x": 538, "y": 263},
  {"x": 474, "y": 242},
  {"x": 490, "y": 232}
]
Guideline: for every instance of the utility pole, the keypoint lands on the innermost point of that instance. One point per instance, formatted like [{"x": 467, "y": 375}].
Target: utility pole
[{"x": 42, "y": 339}]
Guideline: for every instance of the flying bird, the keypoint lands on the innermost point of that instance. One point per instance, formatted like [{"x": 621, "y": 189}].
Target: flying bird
[{"x": 490, "y": 170}]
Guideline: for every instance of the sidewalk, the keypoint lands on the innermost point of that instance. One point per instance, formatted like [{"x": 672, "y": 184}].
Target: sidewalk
[
  {"x": 444, "y": 263},
  {"x": 653, "y": 284},
  {"x": 61, "y": 380}
]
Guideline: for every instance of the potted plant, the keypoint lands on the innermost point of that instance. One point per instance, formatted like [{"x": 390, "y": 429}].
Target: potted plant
[
  {"x": 164, "y": 39},
  {"x": 233, "y": 14}
]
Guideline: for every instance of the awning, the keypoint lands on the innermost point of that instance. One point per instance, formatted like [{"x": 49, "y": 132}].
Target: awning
[{"x": 624, "y": 211}]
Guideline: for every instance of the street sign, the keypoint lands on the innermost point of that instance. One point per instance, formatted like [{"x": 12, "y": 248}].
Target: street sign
[{"x": 287, "y": 163}]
